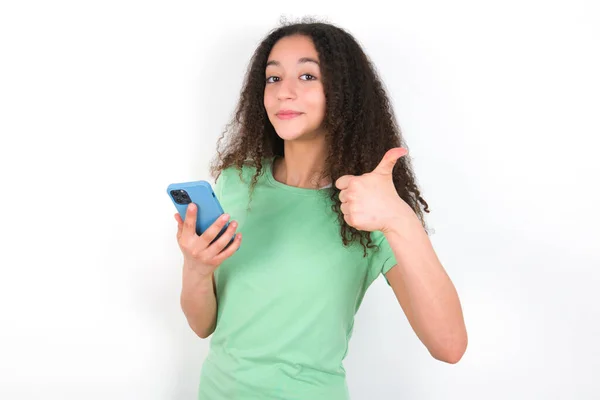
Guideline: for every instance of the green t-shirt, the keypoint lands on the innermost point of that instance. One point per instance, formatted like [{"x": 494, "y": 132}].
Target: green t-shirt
[{"x": 287, "y": 298}]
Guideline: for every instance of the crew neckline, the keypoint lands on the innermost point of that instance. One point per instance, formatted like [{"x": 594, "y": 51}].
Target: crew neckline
[{"x": 294, "y": 189}]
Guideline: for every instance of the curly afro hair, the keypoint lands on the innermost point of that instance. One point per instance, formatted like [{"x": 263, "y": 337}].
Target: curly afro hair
[{"x": 359, "y": 119}]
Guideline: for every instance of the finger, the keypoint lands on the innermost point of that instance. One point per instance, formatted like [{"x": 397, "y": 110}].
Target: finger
[
  {"x": 343, "y": 182},
  {"x": 349, "y": 219},
  {"x": 178, "y": 219},
  {"x": 345, "y": 208},
  {"x": 344, "y": 196},
  {"x": 218, "y": 245},
  {"x": 213, "y": 230},
  {"x": 179, "y": 225},
  {"x": 189, "y": 224},
  {"x": 386, "y": 166},
  {"x": 228, "y": 252}
]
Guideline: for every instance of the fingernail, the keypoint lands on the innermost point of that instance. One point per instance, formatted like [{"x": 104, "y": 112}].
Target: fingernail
[{"x": 225, "y": 217}]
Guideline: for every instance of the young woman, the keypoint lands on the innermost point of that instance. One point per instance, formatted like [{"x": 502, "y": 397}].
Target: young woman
[{"x": 317, "y": 177}]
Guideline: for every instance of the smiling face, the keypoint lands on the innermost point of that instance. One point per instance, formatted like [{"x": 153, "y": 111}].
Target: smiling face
[{"x": 294, "y": 98}]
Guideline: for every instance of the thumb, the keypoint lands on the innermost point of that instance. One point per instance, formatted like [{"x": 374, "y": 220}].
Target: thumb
[{"x": 387, "y": 163}]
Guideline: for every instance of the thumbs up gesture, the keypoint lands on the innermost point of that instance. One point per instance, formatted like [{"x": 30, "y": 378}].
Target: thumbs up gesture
[{"x": 370, "y": 201}]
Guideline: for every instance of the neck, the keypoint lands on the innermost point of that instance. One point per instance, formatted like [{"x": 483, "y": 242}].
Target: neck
[{"x": 302, "y": 164}]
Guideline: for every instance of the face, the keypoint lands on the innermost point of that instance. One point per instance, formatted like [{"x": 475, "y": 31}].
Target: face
[{"x": 294, "y": 98}]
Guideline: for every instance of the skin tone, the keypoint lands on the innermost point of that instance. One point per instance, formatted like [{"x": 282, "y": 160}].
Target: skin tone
[
  {"x": 294, "y": 99},
  {"x": 295, "y": 103}
]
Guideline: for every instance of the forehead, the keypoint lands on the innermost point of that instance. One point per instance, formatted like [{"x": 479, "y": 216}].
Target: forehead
[{"x": 292, "y": 48}]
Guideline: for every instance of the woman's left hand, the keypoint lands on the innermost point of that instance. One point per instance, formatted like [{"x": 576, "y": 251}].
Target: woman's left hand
[{"x": 370, "y": 201}]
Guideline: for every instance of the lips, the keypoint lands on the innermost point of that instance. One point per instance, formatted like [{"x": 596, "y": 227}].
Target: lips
[{"x": 288, "y": 114}]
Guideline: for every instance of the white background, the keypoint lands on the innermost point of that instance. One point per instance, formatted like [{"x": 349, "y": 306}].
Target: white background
[{"x": 103, "y": 104}]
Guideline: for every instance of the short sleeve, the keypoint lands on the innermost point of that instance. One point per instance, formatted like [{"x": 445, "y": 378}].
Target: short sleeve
[{"x": 382, "y": 258}]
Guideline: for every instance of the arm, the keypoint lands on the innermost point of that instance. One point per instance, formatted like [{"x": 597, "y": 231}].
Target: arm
[
  {"x": 424, "y": 290},
  {"x": 202, "y": 256},
  {"x": 370, "y": 202},
  {"x": 198, "y": 302}
]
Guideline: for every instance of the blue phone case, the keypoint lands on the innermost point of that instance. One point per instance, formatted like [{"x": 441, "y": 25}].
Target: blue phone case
[{"x": 201, "y": 194}]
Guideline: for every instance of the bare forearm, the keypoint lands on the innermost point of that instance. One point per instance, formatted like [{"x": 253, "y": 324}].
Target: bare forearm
[
  {"x": 434, "y": 307},
  {"x": 198, "y": 302}
]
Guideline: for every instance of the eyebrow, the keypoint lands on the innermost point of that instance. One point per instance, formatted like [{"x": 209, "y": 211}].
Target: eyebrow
[{"x": 300, "y": 61}]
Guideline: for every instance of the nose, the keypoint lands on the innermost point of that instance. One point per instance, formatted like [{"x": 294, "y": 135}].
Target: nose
[{"x": 287, "y": 89}]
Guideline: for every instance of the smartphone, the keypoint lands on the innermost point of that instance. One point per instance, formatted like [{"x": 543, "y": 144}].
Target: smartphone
[{"x": 207, "y": 203}]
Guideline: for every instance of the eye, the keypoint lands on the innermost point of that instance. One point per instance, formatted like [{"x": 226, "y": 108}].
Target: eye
[
  {"x": 309, "y": 77},
  {"x": 272, "y": 79}
]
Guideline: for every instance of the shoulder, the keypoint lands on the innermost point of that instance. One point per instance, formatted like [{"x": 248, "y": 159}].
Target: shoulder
[
  {"x": 245, "y": 173},
  {"x": 234, "y": 176}
]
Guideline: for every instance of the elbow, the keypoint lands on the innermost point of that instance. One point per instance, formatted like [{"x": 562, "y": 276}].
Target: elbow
[
  {"x": 452, "y": 353},
  {"x": 450, "y": 357},
  {"x": 203, "y": 334}
]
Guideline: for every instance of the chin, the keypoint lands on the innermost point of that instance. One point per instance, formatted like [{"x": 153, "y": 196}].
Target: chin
[{"x": 289, "y": 135}]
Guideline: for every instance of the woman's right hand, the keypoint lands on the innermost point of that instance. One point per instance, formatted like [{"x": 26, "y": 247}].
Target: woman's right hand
[{"x": 198, "y": 252}]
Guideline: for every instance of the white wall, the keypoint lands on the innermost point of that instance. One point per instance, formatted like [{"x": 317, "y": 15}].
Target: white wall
[{"x": 103, "y": 104}]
